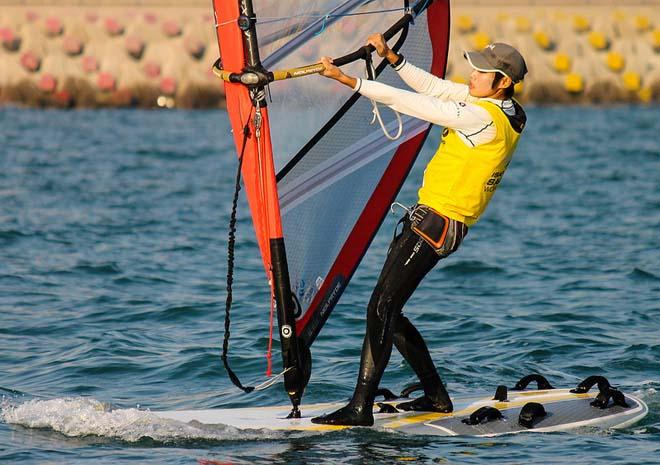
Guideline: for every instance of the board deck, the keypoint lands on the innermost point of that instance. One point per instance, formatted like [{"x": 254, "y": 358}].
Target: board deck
[{"x": 565, "y": 411}]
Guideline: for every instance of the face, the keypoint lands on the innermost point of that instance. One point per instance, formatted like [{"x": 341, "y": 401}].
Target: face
[{"x": 481, "y": 84}]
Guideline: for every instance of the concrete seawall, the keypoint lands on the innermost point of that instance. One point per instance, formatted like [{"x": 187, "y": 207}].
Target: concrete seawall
[{"x": 149, "y": 53}]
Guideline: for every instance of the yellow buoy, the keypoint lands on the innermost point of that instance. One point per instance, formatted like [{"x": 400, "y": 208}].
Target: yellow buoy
[
  {"x": 615, "y": 61},
  {"x": 645, "y": 95},
  {"x": 581, "y": 24},
  {"x": 655, "y": 40},
  {"x": 574, "y": 83},
  {"x": 562, "y": 63},
  {"x": 598, "y": 40},
  {"x": 480, "y": 40},
  {"x": 523, "y": 24},
  {"x": 465, "y": 24},
  {"x": 642, "y": 23},
  {"x": 543, "y": 40},
  {"x": 632, "y": 81}
]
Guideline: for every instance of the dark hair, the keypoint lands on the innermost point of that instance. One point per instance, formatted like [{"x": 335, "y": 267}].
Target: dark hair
[{"x": 509, "y": 91}]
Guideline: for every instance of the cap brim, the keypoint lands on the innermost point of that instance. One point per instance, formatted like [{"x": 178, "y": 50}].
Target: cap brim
[{"x": 479, "y": 62}]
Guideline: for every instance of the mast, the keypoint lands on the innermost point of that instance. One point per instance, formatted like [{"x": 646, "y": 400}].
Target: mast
[{"x": 248, "y": 109}]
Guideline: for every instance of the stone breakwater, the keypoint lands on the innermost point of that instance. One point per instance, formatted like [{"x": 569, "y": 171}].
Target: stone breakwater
[
  {"x": 597, "y": 52},
  {"x": 143, "y": 56},
  {"x": 105, "y": 56}
]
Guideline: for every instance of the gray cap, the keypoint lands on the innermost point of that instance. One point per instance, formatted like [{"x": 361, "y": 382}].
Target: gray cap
[{"x": 501, "y": 58}]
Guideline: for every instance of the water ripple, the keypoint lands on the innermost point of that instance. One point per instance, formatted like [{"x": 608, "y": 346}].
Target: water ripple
[{"x": 112, "y": 285}]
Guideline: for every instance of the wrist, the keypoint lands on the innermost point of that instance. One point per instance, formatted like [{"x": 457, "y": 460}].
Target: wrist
[
  {"x": 392, "y": 56},
  {"x": 398, "y": 62},
  {"x": 347, "y": 80}
]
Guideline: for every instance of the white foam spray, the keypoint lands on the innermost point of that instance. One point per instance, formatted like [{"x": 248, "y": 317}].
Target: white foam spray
[{"x": 82, "y": 416}]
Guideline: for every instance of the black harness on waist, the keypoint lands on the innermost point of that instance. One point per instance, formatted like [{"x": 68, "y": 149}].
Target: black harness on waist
[{"x": 443, "y": 234}]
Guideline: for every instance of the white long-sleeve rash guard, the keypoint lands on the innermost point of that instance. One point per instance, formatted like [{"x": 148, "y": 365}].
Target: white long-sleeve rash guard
[{"x": 437, "y": 101}]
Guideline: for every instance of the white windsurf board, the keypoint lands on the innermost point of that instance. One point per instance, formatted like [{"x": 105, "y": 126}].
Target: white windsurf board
[{"x": 564, "y": 411}]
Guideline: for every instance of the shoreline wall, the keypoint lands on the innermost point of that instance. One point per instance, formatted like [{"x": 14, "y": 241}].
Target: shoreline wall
[
  {"x": 594, "y": 52},
  {"x": 156, "y": 53},
  {"x": 119, "y": 56}
]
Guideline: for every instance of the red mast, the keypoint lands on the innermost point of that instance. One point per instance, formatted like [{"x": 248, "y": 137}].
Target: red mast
[{"x": 246, "y": 106}]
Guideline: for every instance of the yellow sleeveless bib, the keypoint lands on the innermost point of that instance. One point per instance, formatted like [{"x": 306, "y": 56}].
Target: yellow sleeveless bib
[{"x": 459, "y": 181}]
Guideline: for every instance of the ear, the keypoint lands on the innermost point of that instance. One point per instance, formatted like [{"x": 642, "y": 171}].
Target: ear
[{"x": 504, "y": 82}]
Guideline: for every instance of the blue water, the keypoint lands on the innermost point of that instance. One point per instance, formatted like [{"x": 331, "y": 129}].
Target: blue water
[{"x": 113, "y": 262}]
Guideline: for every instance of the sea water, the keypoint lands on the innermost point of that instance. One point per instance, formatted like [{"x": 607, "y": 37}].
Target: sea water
[{"x": 113, "y": 228}]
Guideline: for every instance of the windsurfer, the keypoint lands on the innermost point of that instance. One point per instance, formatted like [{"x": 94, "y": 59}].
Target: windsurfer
[{"x": 482, "y": 126}]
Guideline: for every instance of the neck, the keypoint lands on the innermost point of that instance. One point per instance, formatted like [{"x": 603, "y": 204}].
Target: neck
[{"x": 498, "y": 95}]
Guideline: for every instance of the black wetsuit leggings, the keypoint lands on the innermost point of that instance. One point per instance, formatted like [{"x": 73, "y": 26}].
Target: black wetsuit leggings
[{"x": 409, "y": 259}]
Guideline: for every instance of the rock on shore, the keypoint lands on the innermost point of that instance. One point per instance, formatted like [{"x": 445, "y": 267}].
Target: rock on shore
[{"x": 108, "y": 57}]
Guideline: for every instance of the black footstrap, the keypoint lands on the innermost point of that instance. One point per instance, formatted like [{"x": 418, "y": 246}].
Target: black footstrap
[
  {"x": 584, "y": 386},
  {"x": 386, "y": 393},
  {"x": 386, "y": 408},
  {"x": 606, "y": 392},
  {"x": 530, "y": 414},
  {"x": 483, "y": 415},
  {"x": 541, "y": 383},
  {"x": 412, "y": 388},
  {"x": 602, "y": 400},
  {"x": 501, "y": 393}
]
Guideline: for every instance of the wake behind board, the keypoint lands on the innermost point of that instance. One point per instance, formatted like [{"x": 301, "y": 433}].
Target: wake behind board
[{"x": 564, "y": 410}]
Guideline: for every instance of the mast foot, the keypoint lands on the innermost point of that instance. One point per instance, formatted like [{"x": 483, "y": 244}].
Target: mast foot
[{"x": 295, "y": 413}]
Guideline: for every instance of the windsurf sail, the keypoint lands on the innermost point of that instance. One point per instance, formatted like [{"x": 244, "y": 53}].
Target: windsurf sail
[{"x": 319, "y": 177}]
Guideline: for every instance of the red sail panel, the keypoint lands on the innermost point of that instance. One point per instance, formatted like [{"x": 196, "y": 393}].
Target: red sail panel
[{"x": 257, "y": 170}]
